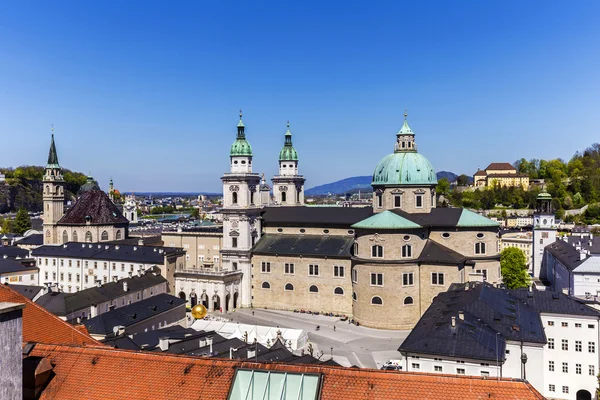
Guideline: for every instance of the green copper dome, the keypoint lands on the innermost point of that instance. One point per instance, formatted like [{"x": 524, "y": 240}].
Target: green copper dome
[
  {"x": 241, "y": 147},
  {"x": 405, "y": 166},
  {"x": 288, "y": 153}
]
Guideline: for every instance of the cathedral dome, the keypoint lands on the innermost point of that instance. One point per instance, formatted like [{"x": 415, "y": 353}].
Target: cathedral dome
[
  {"x": 90, "y": 184},
  {"x": 241, "y": 147},
  {"x": 288, "y": 153},
  {"x": 405, "y": 166}
]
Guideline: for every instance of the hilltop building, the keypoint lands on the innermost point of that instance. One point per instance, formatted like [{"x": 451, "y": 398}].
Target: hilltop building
[
  {"x": 500, "y": 174},
  {"x": 381, "y": 264},
  {"x": 93, "y": 217}
]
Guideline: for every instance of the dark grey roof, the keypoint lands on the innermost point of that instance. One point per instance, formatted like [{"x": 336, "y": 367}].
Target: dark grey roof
[
  {"x": 36, "y": 239},
  {"x": 554, "y": 302},
  {"x": 150, "y": 339},
  {"x": 296, "y": 245},
  {"x": 152, "y": 240},
  {"x": 311, "y": 216},
  {"x": 95, "y": 206},
  {"x": 121, "y": 342},
  {"x": 61, "y": 304},
  {"x": 8, "y": 265},
  {"x": 106, "y": 251},
  {"x": 133, "y": 313},
  {"x": 568, "y": 255},
  {"x": 28, "y": 291},
  {"x": 435, "y": 253},
  {"x": 491, "y": 316},
  {"x": 13, "y": 251},
  {"x": 586, "y": 242}
]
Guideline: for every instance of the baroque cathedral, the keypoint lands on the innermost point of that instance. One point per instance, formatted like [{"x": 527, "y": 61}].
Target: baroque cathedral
[{"x": 382, "y": 265}]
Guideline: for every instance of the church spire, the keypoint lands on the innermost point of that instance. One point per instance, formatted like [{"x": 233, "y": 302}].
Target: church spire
[
  {"x": 52, "y": 155},
  {"x": 288, "y": 136},
  {"x": 288, "y": 153},
  {"x": 405, "y": 138},
  {"x": 240, "y": 132}
]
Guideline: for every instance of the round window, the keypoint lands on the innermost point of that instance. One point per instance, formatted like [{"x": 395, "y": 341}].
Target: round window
[
  {"x": 480, "y": 235},
  {"x": 279, "y": 230},
  {"x": 445, "y": 235},
  {"x": 406, "y": 238},
  {"x": 351, "y": 232},
  {"x": 545, "y": 221},
  {"x": 235, "y": 162},
  {"x": 302, "y": 230},
  {"x": 243, "y": 162},
  {"x": 325, "y": 231}
]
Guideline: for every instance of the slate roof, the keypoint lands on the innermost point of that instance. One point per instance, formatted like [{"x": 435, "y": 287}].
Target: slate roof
[
  {"x": 13, "y": 251},
  {"x": 500, "y": 166},
  {"x": 106, "y": 251},
  {"x": 61, "y": 303},
  {"x": 107, "y": 373},
  {"x": 565, "y": 253},
  {"x": 310, "y": 216},
  {"x": 491, "y": 316},
  {"x": 550, "y": 302},
  {"x": 133, "y": 313},
  {"x": 96, "y": 205},
  {"x": 296, "y": 245},
  {"x": 435, "y": 253},
  {"x": 36, "y": 239},
  {"x": 41, "y": 326},
  {"x": 8, "y": 265},
  {"x": 28, "y": 291}
]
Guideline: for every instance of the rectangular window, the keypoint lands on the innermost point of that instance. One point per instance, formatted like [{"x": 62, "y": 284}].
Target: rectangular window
[
  {"x": 591, "y": 370},
  {"x": 70, "y": 263},
  {"x": 592, "y": 347},
  {"x": 565, "y": 367},
  {"x": 407, "y": 279},
  {"x": 69, "y": 276},
  {"x": 485, "y": 373},
  {"x": 397, "y": 200},
  {"x": 482, "y": 272},
  {"x": 591, "y": 326},
  {"x": 437, "y": 278},
  {"x": 379, "y": 200},
  {"x": 551, "y": 343},
  {"x": 565, "y": 324},
  {"x": 54, "y": 276},
  {"x": 105, "y": 266},
  {"x": 419, "y": 201},
  {"x": 45, "y": 261},
  {"x": 577, "y": 325},
  {"x": 234, "y": 242},
  {"x": 578, "y": 369},
  {"x": 460, "y": 371},
  {"x": 552, "y": 388},
  {"x": 437, "y": 368},
  {"x": 550, "y": 323},
  {"x": 551, "y": 366},
  {"x": 313, "y": 270},
  {"x": 578, "y": 345},
  {"x": 265, "y": 267},
  {"x": 105, "y": 279},
  {"x": 289, "y": 269},
  {"x": 95, "y": 264},
  {"x": 355, "y": 275},
  {"x": 565, "y": 344},
  {"x": 376, "y": 279},
  {"x": 122, "y": 267},
  {"x": 338, "y": 271},
  {"x": 565, "y": 389},
  {"x": 85, "y": 278},
  {"x": 62, "y": 276},
  {"x": 377, "y": 251},
  {"x": 415, "y": 366},
  {"x": 62, "y": 263},
  {"x": 480, "y": 248},
  {"x": 46, "y": 275}
]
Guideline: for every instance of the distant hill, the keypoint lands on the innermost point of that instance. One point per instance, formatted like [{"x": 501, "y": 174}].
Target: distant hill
[{"x": 356, "y": 183}]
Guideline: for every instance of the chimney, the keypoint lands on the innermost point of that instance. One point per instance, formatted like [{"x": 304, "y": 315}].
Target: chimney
[
  {"x": 163, "y": 343},
  {"x": 453, "y": 321},
  {"x": 202, "y": 342},
  {"x": 140, "y": 242},
  {"x": 139, "y": 272},
  {"x": 130, "y": 274},
  {"x": 461, "y": 315},
  {"x": 11, "y": 357},
  {"x": 115, "y": 278},
  {"x": 209, "y": 340},
  {"x": 5, "y": 256},
  {"x": 98, "y": 283},
  {"x": 124, "y": 286},
  {"x": 134, "y": 248},
  {"x": 117, "y": 247},
  {"x": 565, "y": 291}
]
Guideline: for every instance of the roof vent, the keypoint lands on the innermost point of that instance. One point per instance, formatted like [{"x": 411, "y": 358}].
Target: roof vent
[
  {"x": 83, "y": 245},
  {"x": 64, "y": 246},
  {"x": 461, "y": 315},
  {"x": 117, "y": 247},
  {"x": 134, "y": 248},
  {"x": 5, "y": 256},
  {"x": 453, "y": 321},
  {"x": 163, "y": 343},
  {"x": 106, "y": 247},
  {"x": 155, "y": 249}
]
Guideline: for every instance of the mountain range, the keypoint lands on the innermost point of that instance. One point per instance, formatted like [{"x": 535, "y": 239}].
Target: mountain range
[{"x": 362, "y": 183}]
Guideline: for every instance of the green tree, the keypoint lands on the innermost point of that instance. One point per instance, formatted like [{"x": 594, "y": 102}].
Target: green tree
[
  {"x": 22, "y": 221},
  {"x": 514, "y": 270},
  {"x": 462, "y": 180},
  {"x": 195, "y": 213},
  {"x": 7, "y": 225},
  {"x": 443, "y": 187}
]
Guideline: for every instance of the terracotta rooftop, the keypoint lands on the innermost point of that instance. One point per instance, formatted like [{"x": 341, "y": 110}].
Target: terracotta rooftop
[
  {"x": 107, "y": 373},
  {"x": 41, "y": 326},
  {"x": 504, "y": 166}
]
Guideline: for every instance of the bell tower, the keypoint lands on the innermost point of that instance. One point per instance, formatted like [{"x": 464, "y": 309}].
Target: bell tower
[
  {"x": 288, "y": 186},
  {"x": 544, "y": 231},
  {"x": 53, "y": 195},
  {"x": 241, "y": 213}
]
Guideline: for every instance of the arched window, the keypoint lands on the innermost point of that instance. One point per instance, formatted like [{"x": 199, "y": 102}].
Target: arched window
[
  {"x": 88, "y": 236},
  {"x": 266, "y": 285},
  {"x": 377, "y": 251},
  {"x": 338, "y": 290},
  {"x": 408, "y": 301},
  {"x": 313, "y": 289},
  {"x": 234, "y": 198},
  {"x": 74, "y": 236},
  {"x": 104, "y": 235},
  {"x": 283, "y": 194},
  {"x": 65, "y": 237},
  {"x": 406, "y": 251},
  {"x": 118, "y": 235},
  {"x": 480, "y": 248},
  {"x": 354, "y": 296},
  {"x": 289, "y": 286},
  {"x": 376, "y": 300}
]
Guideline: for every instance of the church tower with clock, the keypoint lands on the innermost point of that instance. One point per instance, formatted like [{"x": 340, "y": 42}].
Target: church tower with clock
[
  {"x": 544, "y": 231},
  {"x": 241, "y": 213}
]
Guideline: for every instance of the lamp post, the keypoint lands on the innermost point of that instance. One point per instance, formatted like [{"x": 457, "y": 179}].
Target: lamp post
[{"x": 524, "y": 361}]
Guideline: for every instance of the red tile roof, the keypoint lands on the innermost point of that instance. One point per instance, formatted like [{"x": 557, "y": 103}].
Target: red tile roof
[
  {"x": 107, "y": 373},
  {"x": 500, "y": 166},
  {"x": 42, "y": 326}
]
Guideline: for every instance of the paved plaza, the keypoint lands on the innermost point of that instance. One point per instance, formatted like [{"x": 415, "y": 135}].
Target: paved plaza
[{"x": 351, "y": 344}]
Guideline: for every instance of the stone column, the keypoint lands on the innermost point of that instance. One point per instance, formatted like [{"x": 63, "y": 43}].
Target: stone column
[
  {"x": 222, "y": 296},
  {"x": 230, "y": 303}
]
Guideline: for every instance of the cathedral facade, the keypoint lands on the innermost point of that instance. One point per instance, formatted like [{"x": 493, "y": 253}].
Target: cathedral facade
[{"x": 382, "y": 264}]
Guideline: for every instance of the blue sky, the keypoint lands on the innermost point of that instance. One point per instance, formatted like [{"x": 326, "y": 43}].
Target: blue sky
[{"x": 148, "y": 92}]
